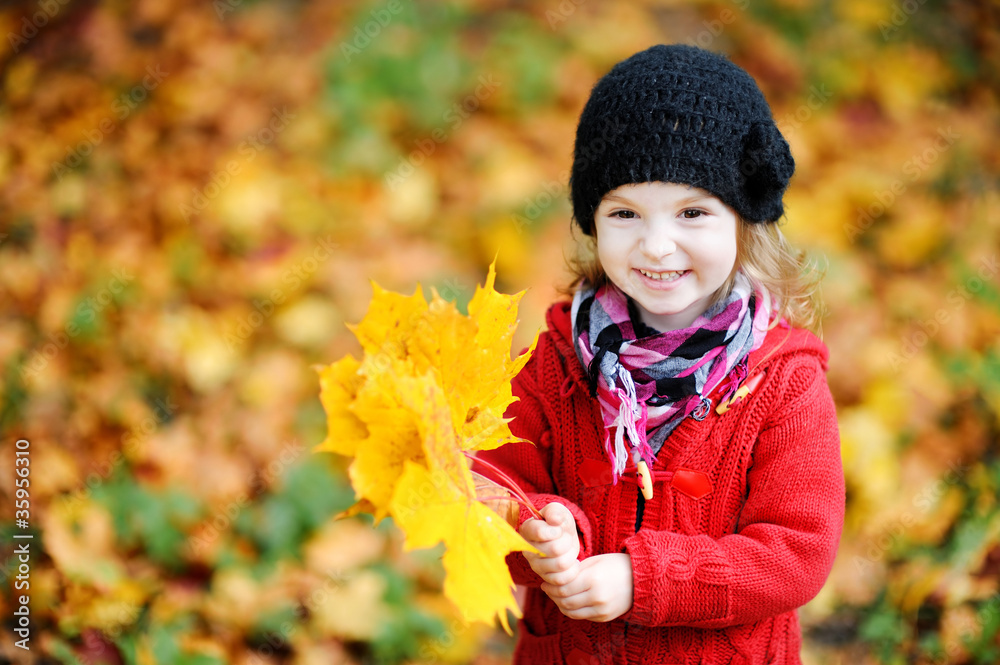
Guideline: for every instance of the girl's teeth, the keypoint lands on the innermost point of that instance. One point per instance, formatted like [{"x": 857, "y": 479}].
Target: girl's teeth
[{"x": 662, "y": 276}]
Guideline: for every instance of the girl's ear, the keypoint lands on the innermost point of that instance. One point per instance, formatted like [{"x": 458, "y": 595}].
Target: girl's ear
[{"x": 766, "y": 165}]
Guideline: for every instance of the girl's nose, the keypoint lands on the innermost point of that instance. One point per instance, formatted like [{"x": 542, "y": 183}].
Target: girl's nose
[{"x": 658, "y": 240}]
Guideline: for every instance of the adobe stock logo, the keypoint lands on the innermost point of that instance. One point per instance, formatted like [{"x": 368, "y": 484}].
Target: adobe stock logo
[
  {"x": 455, "y": 116},
  {"x": 364, "y": 34},
  {"x": 40, "y": 19},
  {"x": 924, "y": 331},
  {"x": 218, "y": 180},
  {"x": 293, "y": 279},
  {"x": 122, "y": 107},
  {"x": 913, "y": 167},
  {"x": 901, "y": 13},
  {"x": 86, "y": 313}
]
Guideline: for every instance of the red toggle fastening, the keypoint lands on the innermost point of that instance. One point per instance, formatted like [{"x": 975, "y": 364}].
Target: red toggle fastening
[{"x": 695, "y": 484}]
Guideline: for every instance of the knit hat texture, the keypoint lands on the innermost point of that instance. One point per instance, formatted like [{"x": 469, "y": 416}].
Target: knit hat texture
[{"x": 685, "y": 115}]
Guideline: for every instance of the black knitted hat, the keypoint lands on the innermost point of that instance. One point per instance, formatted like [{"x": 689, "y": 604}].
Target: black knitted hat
[{"x": 686, "y": 115}]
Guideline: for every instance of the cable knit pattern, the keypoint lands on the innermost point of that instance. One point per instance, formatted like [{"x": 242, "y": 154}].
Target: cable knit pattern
[{"x": 717, "y": 579}]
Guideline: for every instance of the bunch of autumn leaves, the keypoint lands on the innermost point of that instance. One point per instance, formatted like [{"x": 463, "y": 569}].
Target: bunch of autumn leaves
[{"x": 430, "y": 389}]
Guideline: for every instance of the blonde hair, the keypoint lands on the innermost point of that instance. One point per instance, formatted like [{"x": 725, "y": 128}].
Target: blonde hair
[{"x": 762, "y": 253}]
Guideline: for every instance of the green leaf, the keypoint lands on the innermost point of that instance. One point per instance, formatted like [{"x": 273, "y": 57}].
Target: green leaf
[
  {"x": 199, "y": 659},
  {"x": 278, "y": 528},
  {"x": 316, "y": 491},
  {"x": 13, "y": 396},
  {"x": 63, "y": 652},
  {"x": 127, "y": 648},
  {"x": 164, "y": 645},
  {"x": 156, "y": 521},
  {"x": 885, "y": 630},
  {"x": 274, "y": 622}
]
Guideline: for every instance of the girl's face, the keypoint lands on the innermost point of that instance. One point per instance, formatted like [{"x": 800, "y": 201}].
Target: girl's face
[{"x": 668, "y": 246}]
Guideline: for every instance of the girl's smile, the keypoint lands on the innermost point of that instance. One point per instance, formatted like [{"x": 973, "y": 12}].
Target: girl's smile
[
  {"x": 670, "y": 247},
  {"x": 663, "y": 280},
  {"x": 670, "y": 276}
]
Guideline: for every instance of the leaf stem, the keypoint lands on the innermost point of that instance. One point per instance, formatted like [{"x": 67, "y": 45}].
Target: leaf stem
[{"x": 508, "y": 483}]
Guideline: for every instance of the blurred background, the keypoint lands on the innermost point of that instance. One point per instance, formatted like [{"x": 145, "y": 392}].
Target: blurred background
[{"x": 196, "y": 195}]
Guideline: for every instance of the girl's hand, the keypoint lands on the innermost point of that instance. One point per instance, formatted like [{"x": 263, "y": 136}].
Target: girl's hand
[
  {"x": 601, "y": 590},
  {"x": 556, "y": 538}
]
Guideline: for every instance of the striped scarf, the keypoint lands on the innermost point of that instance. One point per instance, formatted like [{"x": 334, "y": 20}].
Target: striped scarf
[{"x": 646, "y": 381}]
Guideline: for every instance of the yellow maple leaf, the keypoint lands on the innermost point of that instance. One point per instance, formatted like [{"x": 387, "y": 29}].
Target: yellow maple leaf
[
  {"x": 339, "y": 384},
  {"x": 365, "y": 421},
  {"x": 431, "y": 510},
  {"x": 390, "y": 317},
  {"x": 441, "y": 445},
  {"x": 432, "y": 387}
]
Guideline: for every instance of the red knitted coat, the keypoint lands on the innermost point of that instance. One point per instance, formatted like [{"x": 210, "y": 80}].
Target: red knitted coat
[{"x": 717, "y": 579}]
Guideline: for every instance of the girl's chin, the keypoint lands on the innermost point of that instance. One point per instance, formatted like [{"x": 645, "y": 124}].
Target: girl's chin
[{"x": 666, "y": 305}]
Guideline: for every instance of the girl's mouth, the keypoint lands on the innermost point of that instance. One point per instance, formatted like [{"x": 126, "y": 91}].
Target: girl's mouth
[{"x": 667, "y": 276}]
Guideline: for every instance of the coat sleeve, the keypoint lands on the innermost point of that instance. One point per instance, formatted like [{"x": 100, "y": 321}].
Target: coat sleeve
[
  {"x": 788, "y": 532},
  {"x": 528, "y": 464}
]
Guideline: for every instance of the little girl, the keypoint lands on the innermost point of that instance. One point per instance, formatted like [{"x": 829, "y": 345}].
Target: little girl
[{"x": 681, "y": 440}]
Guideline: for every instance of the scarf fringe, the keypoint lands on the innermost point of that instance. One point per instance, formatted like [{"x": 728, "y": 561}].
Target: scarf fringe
[{"x": 631, "y": 420}]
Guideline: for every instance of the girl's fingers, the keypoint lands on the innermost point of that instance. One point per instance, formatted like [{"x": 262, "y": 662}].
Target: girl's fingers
[
  {"x": 558, "y": 515},
  {"x": 582, "y": 606},
  {"x": 560, "y": 579},
  {"x": 566, "y": 590},
  {"x": 551, "y": 549},
  {"x": 577, "y": 606},
  {"x": 557, "y": 548},
  {"x": 545, "y": 566},
  {"x": 586, "y": 614},
  {"x": 535, "y": 530}
]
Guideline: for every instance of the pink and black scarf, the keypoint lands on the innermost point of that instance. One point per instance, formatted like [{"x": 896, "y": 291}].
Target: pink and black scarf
[{"x": 647, "y": 381}]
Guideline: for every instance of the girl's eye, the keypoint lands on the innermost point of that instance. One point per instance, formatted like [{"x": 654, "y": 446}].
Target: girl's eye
[
  {"x": 692, "y": 214},
  {"x": 623, "y": 214}
]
